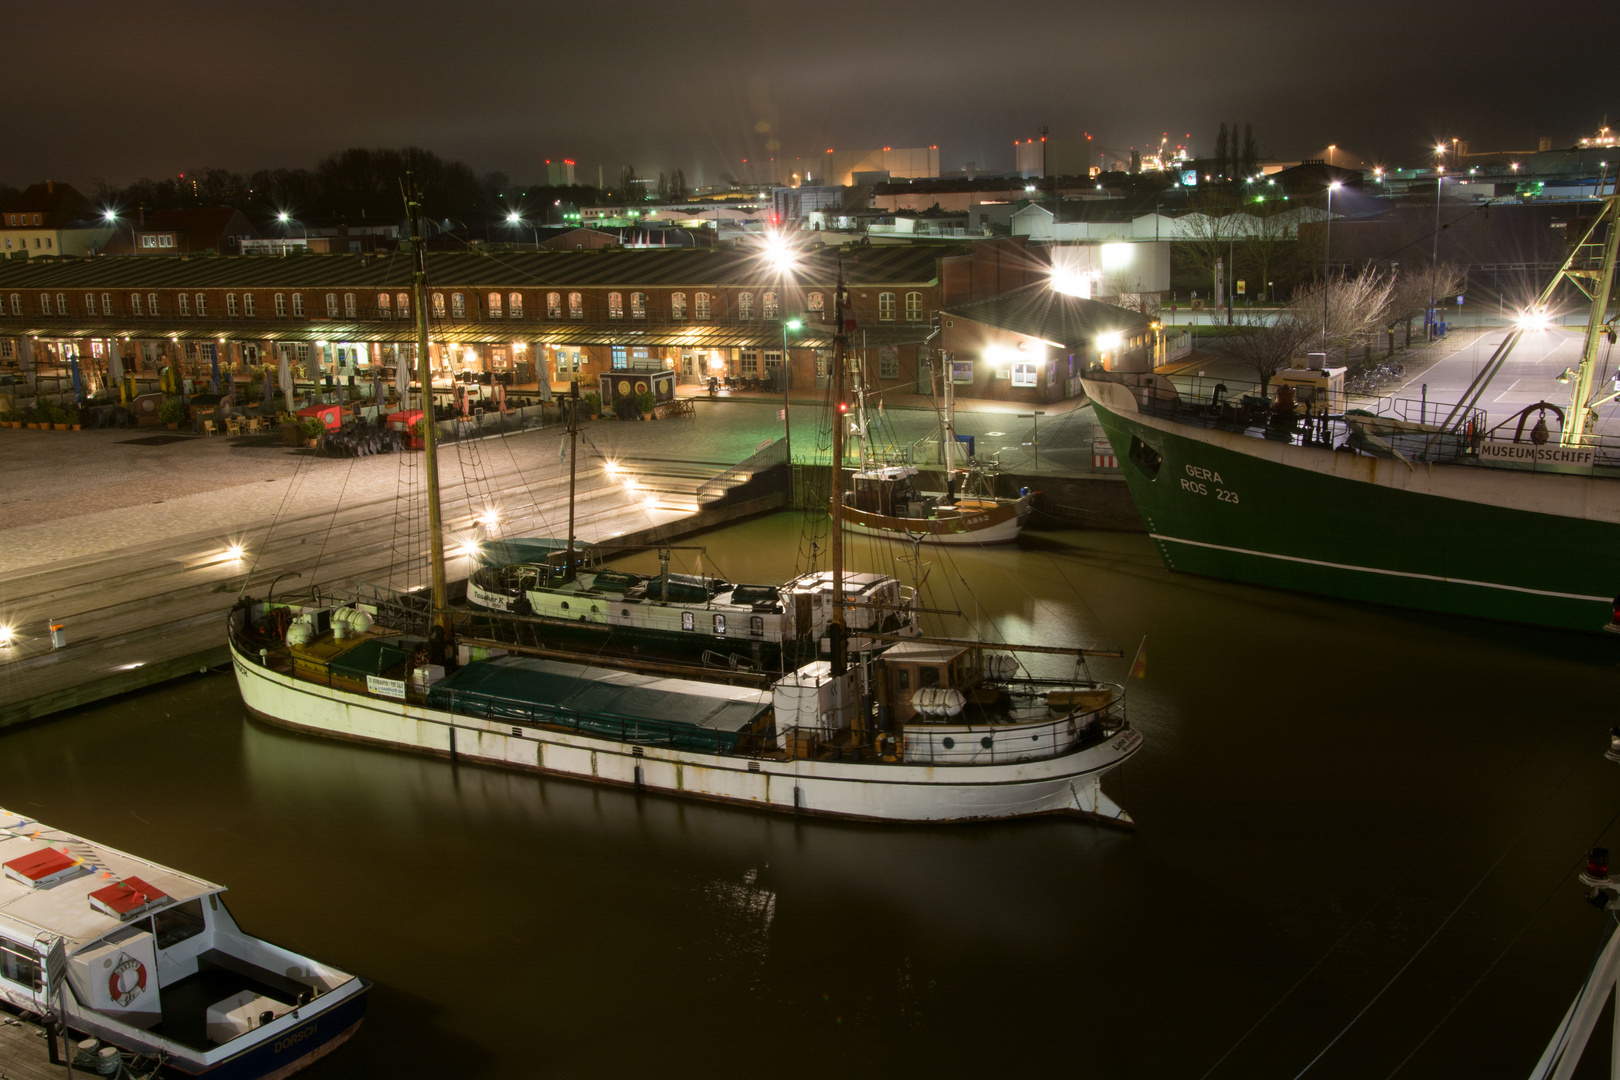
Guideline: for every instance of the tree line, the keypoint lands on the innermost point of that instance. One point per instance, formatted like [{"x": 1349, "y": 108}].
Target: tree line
[{"x": 350, "y": 185}]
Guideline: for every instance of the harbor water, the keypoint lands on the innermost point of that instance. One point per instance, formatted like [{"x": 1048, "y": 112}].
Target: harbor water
[{"x": 1358, "y": 830}]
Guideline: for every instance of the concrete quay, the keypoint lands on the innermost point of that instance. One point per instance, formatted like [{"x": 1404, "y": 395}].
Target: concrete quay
[{"x": 123, "y": 537}]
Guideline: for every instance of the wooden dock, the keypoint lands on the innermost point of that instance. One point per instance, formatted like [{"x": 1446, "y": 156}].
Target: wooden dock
[{"x": 23, "y": 1054}]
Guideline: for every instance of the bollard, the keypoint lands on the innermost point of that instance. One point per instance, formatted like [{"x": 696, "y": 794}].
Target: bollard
[{"x": 58, "y": 635}]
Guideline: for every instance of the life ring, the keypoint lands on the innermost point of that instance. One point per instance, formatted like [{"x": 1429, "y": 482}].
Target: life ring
[
  {"x": 118, "y": 988},
  {"x": 889, "y": 746}
]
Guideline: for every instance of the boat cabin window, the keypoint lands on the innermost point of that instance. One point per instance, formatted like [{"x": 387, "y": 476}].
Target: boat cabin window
[
  {"x": 927, "y": 676},
  {"x": 719, "y": 624},
  {"x": 756, "y": 624},
  {"x": 687, "y": 620},
  {"x": 20, "y": 965},
  {"x": 903, "y": 679},
  {"x": 173, "y": 925}
]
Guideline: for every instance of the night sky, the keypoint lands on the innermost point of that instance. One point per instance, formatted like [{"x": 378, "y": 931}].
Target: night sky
[{"x": 119, "y": 91}]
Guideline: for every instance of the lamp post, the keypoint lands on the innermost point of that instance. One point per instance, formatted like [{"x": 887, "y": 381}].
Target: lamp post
[
  {"x": 515, "y": 218},
  {"x": 287, "y": 219},
  {"x": 787, "y": 433},
  {"x": 1327, "y": 254},
  {"x": 1434, "y": 255}
]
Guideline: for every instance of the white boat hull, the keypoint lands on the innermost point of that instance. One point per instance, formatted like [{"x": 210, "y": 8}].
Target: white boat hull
[{"x": 1070, "y": 783}]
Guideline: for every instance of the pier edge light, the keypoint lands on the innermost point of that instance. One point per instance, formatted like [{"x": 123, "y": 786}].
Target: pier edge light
[
  {"x": 6, "y": 635},
  {"x": 235, "y": 552}
]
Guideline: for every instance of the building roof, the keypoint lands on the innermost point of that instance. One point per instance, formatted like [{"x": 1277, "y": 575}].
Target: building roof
[
  {"x": 646, "y": 267},
  {"x": 1037, "y": 311},
  {"x": 62, "y": 202}
]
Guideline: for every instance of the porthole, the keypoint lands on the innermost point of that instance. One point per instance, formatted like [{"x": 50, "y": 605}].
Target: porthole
[
  {"x": 565, "y": 605},
  {"x": 949, "y": 743},
  {"x": 625, "y": 613},
  {"x": 985, "y": 742}
]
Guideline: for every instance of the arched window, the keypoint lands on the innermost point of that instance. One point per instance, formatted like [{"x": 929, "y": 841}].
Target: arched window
[
  {"x": 576, "y": 305},
  {"x": 745, "y": 305},
  {"x": 90, "y": 303},
  {"x": 331, "y": 305},
  {"x": 16, "y": 303},
  {"x": 677, "y": 305},
  {"x": 769, "y": 306},
  {"x": 348, "y": 305},
  {"x": 44, "y": 303},
  {"x": 553, "y": 305},
  {"x": 914, "y": 307},
  {"x": 514, "y": 305},
  {"x": 638, "y": 305},
  {"x": 298, "y": 305},
  {"x": 816, "y": 303},
  {"x": 247, "y": 304},
  {"x": 402, "y": 302},
  {"x": 615, "y": 305},
  {"x": 106, "y": 303},
  {"x": 703, "y": 305},
  {"x": 202, "y": 305},
  {"x": 230, "y": 304},
  {"x": 183, "y": 302},
  {"x": 384, "y": 306},
  {"x": 458, "y": 306},
  {"x": 886, "y": 307},
  {"x": 494, "y": 301},
  {"x": 135, "y": 303},
  {"x": 438, "y": 305},
  {"x": 152, "y": 303}
]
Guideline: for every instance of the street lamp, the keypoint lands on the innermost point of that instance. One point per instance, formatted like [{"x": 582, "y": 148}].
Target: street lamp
[
  {"x": 110, "y": 216},
  {"x": 515, "y": 218},
  {"x": 1327, "y": 251},
  {"x": 287, "y": 219},
  {"x": 787, "y": 431},
  {"x": 1434, "y": 255}
]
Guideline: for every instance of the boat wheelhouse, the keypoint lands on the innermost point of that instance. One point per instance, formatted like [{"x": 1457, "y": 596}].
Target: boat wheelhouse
[{"x": 149, "y": 960}]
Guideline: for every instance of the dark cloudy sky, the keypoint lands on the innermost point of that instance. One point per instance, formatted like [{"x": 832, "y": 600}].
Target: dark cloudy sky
[{"x": 122, "y": 90}]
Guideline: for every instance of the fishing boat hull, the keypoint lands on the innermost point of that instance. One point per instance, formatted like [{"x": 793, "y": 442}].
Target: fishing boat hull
[
  {"x": 1066, "y": 784},
  {"x": 999, "y": 523},
  {"x": 1532, "y": 547}
]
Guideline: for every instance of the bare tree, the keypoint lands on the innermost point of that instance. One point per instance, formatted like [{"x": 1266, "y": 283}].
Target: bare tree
[
  {"x": 1205, "y": 236},
  {"x": 1414, "y": 287},
  {"x": 1269, "y": 346},
  {"x": 1354, "y": 308}
]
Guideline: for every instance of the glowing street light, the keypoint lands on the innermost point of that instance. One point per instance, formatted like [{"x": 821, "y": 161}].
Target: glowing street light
[{"x": 515, "y": 218}]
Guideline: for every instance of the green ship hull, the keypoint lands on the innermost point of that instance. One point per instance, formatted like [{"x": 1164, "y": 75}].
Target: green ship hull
[{"x": 1519, "y": 546}]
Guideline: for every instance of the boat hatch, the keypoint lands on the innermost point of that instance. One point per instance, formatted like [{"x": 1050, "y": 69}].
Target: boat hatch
[
  {"x": 127, "y": 899},
  {"x": 43, "y": 868}
]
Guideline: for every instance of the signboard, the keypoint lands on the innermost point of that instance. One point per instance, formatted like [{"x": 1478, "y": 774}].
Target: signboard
[
  {"x": 1102, "y": 452},
  {"x": 1530, "y": 453},
  {"x": 1243, "y": 286},
  {"x": 1459, "y": 299},
  {"x": 393, "y": 688}
]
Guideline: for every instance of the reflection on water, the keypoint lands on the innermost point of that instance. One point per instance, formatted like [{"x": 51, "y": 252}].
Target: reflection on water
[{"x": 1313, "y": 772}]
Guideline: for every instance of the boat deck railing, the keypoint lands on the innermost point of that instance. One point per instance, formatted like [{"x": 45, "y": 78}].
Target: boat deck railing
[{"x": 1412, "y": 429}]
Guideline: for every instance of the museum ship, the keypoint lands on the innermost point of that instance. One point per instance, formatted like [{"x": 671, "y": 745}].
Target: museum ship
[{"x": 1417, "y": 506}]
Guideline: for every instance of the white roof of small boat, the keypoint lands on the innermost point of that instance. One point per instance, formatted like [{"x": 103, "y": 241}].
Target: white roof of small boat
[
  {"x": 822, "y": 581},
  {"x": 922, "y": 652},
  {"x": 886, "y": 472},
  {"x": 64, "y": 908}
]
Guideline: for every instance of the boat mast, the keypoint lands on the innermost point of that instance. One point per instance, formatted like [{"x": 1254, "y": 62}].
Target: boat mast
[
  {"x": 948, "y": 417},
  {"x": 573, "y": 463},
  {"x": 441, "y": 605},
  {"x": 840, "y": 418}
]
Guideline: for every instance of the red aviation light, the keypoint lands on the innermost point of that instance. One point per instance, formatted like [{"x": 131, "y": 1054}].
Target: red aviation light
[
  {"x": 1597, "y": 864},
  {"x": 843, "y": 407}
]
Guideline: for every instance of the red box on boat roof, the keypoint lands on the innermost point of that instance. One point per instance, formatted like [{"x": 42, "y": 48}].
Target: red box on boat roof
[
  {"x": 43, "y": 868},
  {"x": 126, "y": 899}
]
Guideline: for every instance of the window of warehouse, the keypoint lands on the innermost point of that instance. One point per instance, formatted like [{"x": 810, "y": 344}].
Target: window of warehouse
[
  {"x": 1023, "y": 374},
  {"x": 913, "y": 307},
  {"x": 769, "y": 306},
  {"x": 886, "y": 307},
  {"x": 202, "y": 305},
  {"x": 135, "y": 303},
  {"x": 745, "y": 305},
  {"x": 638, "y": 305},
  {"x": 230, "y": 304},
  {"x": 331, "y": 305},
  {"x": 247, "y": 304},
  {"x": 184, "y": 303},
  {"x": 458, "y": 306},
  {"x": 750, "y": 363},
  {"x": 494, "y": 301},
  {"x": 514, "y": 306},
  {"x": 615, "y": 305},
  {"x": 703, "y": 305},
  {"x": 385, "y": 306},
  {"x": 576, "y": 305},
  {"x": 888, "y": 362},
  {"x": 620, "y": 358},
  {"x": 348, "y": 305},
  {"x": 553, "y": 305},
  {"x": 438, "y": 305},
  {"x": 152, "y": 303},
  {"x": 677, "y": 305},
  {"x": 298, "y": 305},
  {"x": 89, "y": 303},
  {"x": 402, "y": 302}
]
